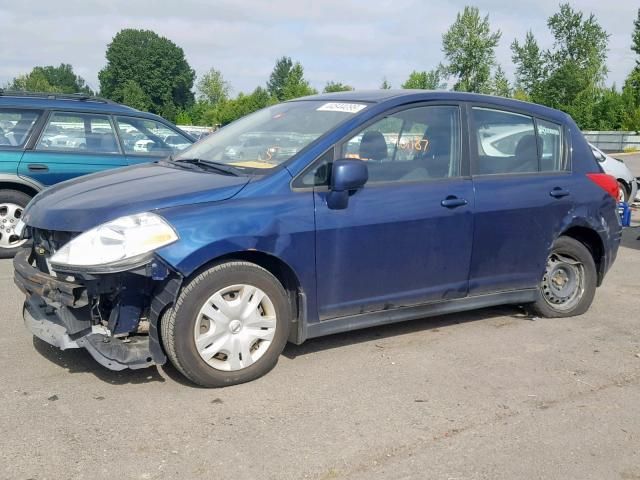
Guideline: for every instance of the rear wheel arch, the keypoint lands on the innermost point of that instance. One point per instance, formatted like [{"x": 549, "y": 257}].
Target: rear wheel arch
[
  {"x": 19, "y": 187},
  {"x": 593, "y": 242}
]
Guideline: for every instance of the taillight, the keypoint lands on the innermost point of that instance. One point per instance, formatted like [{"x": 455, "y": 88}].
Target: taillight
[{"x": 608, "y": 183}]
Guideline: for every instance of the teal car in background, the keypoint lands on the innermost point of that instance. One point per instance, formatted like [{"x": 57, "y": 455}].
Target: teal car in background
[{"x": 48, "y": 138}]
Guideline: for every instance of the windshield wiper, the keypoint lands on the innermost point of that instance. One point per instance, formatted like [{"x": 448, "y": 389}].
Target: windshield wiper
[{"x": 222, "y": 168}]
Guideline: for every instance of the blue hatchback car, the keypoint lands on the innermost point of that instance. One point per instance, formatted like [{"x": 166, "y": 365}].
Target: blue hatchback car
[
  {"x": 47, "y": 138},
  {"x": 318, "y": 216}
]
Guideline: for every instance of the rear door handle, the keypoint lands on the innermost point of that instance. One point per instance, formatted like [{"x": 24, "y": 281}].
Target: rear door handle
[
  {"x": 558, "y": 192},
  {"x": 452, "y": 202},
  {"x": 37, "y": 167}
]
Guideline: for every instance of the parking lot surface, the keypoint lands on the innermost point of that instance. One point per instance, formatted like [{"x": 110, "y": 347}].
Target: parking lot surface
[
  {"x": 489, "y": 394},
  {"x": 633, "y": 162}
]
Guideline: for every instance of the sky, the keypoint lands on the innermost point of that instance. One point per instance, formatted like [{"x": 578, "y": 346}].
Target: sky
[{"x": 358, "y": 42}]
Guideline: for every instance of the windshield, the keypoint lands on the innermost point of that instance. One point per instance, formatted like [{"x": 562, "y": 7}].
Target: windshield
[{"x": 271, "y": 136}]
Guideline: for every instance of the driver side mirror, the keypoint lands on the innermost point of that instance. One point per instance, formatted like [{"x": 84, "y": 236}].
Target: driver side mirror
[{"x": 347, "y": 175}]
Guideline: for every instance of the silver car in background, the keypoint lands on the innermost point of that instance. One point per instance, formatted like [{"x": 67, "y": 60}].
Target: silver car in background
[{"x": 627, "y": 183}]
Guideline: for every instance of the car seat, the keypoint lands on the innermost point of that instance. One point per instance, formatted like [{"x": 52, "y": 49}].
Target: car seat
[
  {"x": 526, "y": 155},
  {"x": 373, "y": 146},
  {"x": 108, "y": 143}
]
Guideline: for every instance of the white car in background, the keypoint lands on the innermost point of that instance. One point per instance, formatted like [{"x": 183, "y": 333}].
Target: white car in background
[
  {"x": 145, "y": 145},
  {"x": 627, "y": 184}
]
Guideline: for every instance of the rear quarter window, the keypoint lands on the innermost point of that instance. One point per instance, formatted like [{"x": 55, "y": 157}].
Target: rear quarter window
[{"x": 552, "y": 155}]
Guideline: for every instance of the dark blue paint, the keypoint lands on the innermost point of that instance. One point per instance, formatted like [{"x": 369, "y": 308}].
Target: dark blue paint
[
  {"x": 393, "y": 245},
  {"x": 88, "y": 201}
]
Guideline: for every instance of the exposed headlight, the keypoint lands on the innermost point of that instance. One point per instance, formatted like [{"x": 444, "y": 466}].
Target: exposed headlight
[{"x": 117, "y": 245}]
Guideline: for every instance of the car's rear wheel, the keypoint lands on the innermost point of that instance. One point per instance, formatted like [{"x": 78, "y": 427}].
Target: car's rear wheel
[
  {"x": 12, "y": 205},
  {"x": 229, "y": 325},
  {"x": 569, "y": 281}
]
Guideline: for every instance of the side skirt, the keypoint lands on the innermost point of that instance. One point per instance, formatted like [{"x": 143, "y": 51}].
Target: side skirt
[{"x": 384, "y": 317}]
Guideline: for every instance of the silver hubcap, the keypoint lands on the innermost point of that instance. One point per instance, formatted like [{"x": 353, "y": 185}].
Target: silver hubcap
[
  {"x": 10, "y": 215},
  {"x": 563, "y": 282},
  {"x": 235, "y": 327}
]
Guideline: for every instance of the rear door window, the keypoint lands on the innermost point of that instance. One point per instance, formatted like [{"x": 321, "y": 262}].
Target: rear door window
[
  {"x": 141, "y": 136},
  {"x": 16, "y": 125},
  {"x": 78, "y": 132},
  {"x": 505, "y": 141}
]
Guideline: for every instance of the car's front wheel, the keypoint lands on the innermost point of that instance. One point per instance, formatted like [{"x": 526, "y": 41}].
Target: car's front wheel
[
  {"x": 569, "y": 281},
  {"x": 229, "y": 325},
  {"x": 12, "y": 205}
]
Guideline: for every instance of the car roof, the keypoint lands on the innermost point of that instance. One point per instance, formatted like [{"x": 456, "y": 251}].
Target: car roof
[
  {"x": 396, "y": 96},
  {"x": 73, "y": 103}
]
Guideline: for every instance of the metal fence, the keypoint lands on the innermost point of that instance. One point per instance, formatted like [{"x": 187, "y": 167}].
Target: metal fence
[{"x": 614, "y": 141}]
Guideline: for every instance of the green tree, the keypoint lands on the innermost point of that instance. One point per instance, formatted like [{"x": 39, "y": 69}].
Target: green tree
[
  {"x": 287, "y": 81},
  {"x": 279, "y": 76},
  {"x": 65, "y": 78},
  {"x": 469, "y": 48},
  {"x": 337, "y": 87},
  {"x": 184, "y": 118},
  {"x": 631, "y": 89},
  {"x": 500, "y": 84},
  {"x": 61, "y": 79},
  {"x": 385, "y": 85},
  {"x": 296, "y": 86},
  {"x": 570, "y": 75},
  {"x": 635, "y": 38},
  {"x": 529, "y": 65},
  {"x": 431, "y": 80},
  {"x": 213, "y": 88},
  {"x": 156, "y": 64},
  {"x": 227, "y": 112},
  {"x": 577, "y": 61},
  {"x": 32, "y": 82},
  {"x": 133, "y": 95}
]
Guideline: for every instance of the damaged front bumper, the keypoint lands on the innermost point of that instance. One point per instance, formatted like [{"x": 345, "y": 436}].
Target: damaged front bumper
[{"x": 113, "y": 316}]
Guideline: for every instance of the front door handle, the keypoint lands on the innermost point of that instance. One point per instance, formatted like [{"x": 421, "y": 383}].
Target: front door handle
[
  {"x": 452, "y": 202},
  {"x": 558, "y": 192},
  {"x": 37, "y": 167}
]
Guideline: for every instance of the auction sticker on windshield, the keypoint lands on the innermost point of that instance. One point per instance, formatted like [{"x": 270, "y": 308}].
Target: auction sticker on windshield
[{"x": 341, "y": 107}]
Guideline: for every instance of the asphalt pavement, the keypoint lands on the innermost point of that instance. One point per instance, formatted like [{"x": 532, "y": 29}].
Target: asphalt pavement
[
  {"x": 491, "y": 394},
  {"x": 632, "y": 161}
]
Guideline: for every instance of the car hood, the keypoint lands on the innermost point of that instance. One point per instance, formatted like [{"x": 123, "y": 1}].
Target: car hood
[{"x": 80, "y": 204}]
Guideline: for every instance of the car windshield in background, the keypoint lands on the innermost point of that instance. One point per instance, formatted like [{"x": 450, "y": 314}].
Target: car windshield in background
[{"x": 271, "y": 136}]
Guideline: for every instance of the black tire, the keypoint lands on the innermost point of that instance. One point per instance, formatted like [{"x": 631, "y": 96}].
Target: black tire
[
  {"x": 178, "y": 323},
  {"x": 572, "y": 249},
  {"x": 17, "y": 198},
  {"x": 624, "y": 190}
]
